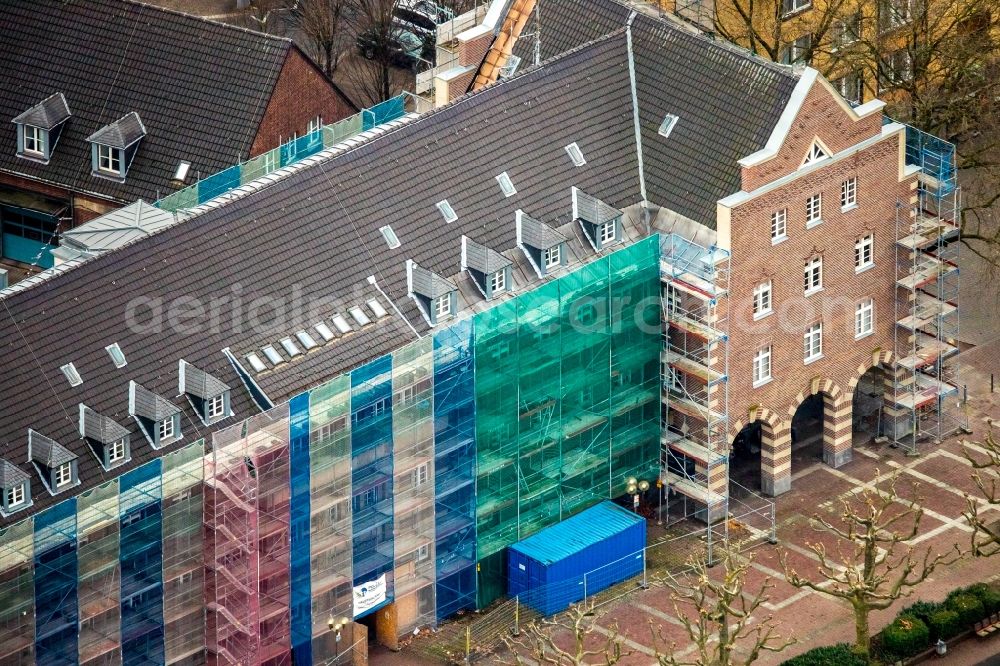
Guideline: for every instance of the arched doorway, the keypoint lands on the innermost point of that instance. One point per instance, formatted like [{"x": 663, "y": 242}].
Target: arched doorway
[
  {"x": 759, "y": 459},
  {"x": 867, "y": 402},
  {"x": 807, "y": 432},
  {"x": 745, "y": 457}
]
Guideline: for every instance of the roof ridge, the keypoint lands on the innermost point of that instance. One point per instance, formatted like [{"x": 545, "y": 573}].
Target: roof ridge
[{"x": 203, "y": 19}]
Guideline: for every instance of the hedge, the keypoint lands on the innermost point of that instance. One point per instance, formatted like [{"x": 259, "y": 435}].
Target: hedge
[
  {"x": 944, "y": 624},
  {"x": 830, "y": 655},
  {"x": 968, "y": 607},
  {"x": 906, "y": 636}
]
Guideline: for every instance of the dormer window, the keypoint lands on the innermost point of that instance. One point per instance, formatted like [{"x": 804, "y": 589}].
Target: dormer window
[
  {"x": 108, "y": 440},
  {"x": 489, "y": 270},
  {"x": 114, "y": 145},
  {"x": 208, "y": 395},
  {"x": 64, "y": 475},
  {"x": 435, "y": 295},
  {"x": 15, "y": 489},
  {"x": 498, "y": 281},
  {"x": 159, "y": 419},
  {"x": 39, "y": 127},
  {"x": 601, "y": 223},
  {"x": 109, "y": 160},
  {"x": 543, "y": 245},
  {"x": 55, "y": 463}
]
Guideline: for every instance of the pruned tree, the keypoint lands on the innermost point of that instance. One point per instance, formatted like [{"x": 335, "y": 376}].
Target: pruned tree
[
  {"x": 322, "y": 24},
  {"x": 373, "y": 78},
  {"x": 985, "y": 460},
  {"x": 880, "y": 564},
  {"x": 264, "y": 16},
  {"x": 541, "y": 641},
  {"x": 720, "y": 616}
]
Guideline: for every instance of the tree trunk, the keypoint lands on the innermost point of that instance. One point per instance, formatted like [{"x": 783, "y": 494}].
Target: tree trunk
[{"x": 862, "y": 640}]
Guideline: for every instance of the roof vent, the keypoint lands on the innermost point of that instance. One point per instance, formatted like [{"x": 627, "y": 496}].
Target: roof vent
[
  {"x": 272, "y": 354},
  {"x": 506, "y": 185},
  {"x": 358, "y": 315},
  {"x": 324, "y": 331},
  {"x": 391, "y": 239},
  {"x": 667, "y": 126},
  {"x": 116, "y": 354},
  {"x": 377, "y": 308},
  {"x": 447, "y": 211},
  {"x": 575, "y": 154},
  {"x": 72, "y": 375},
  {"x": 255, "y": 362}
]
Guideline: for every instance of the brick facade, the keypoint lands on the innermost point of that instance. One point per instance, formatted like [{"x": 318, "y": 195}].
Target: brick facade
[
  {"x": 755, "y": 260},
  {"x": 301, "y": 94},
  {"x": 472, "y": 51}
]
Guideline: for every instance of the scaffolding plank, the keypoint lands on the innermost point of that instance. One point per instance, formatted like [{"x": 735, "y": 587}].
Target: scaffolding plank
[
  {"x": 694, "y": 327},
  {"x": 693, "y": 409},
  {"x": 691, "y": 488},
  {"x": 691, "y": 449},
  {"x": 690, "y": 366}
]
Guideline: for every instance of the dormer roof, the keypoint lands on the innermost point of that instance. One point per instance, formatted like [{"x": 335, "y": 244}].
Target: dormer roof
[
  {"x": 50, "y": 112},
  {"x": 120, "y": 134},
  {"x": 428, "y": 283},
  {"x": 100, "y": 428},
  {"x": 591, "y": 209},
  {"x": 11, "y": 475},
  {"x": 481, "y": 258},
  {"x": 47, "y": 452},
  {"x": 536, "y": 233},
  {"x": 148, "y": 405},
  {"x": 198, "y": 383}
]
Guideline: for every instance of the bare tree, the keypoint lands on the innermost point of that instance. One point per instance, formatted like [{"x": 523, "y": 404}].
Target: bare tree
[
  {"x": 985, "y": 528},
  {"x": 322, "y": 25},
  {"x": 720, "y": 616},
  {"x": 373, "y": 78},
  {"x": 880, "y": 565},
  {"x": 539, "y": 641},
  {"x": 263, "y": 16}
]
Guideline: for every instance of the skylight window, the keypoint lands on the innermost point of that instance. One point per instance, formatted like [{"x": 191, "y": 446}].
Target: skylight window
[
  {"x": 667, "y": 126},
  {"x": 324, "y": 331},
  {"x": 446, "y": 210},
  {"x": 116, "y": 354},
  {"x": 341, "y": 324},
  {"x": 181, "y": 174},
  {"x": 72, "y": 374},
  {"x": 359, "y": 316},
  {"x": 290, "y": 347},
  {"x": 575, "y": 154},
  {"x": 307, "y": 340},
  {"x": 377, "y": 308},
  {"x": 390, "y": 237},
  {"x": 256, "y": 363},
  {"x": 272, "y": 355},
  {"x": 506, "y": 185}
]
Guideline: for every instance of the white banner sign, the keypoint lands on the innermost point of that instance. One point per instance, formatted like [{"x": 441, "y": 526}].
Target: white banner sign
[{"x": 369, "y": 595}]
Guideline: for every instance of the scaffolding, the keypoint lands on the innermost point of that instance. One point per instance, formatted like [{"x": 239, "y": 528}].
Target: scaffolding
[
  {"x": 925, "y": 402},
  {"x": 247, "y": 552},
  {"x": 699, "y": 13},
  {"x": 17, "y": 594},
  {"x": 98, "y": 534},
  {"x": 695, "y": 373},
  {"x": 566, "y": 400}
]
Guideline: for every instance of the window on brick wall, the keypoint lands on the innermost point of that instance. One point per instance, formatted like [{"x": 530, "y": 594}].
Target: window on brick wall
[
  {"x": 812, "y": 340},
  {"x": 762, "y": 366},
  {"x": 849, "y": 193},
  {"x": 864, "y": 253},
  {"x": 864, "y": 318},
  {"x": 762, "y": 300},
  {"x": 779, "y": 225},
  {"x": 812, "y": 276},
  {"x": 814, "y": 209}
]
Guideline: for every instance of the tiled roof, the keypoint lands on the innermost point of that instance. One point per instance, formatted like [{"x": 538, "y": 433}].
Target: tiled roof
[
  {"x": 201, "y": 88},
  {"x": 120, "y": 134},
  {"x": 199, "y": 383},
  {"x": 538, "y": 234},
  {"x": 483, "y": 259},
  {"x": 46, "y": 114},
  {"x": 100, "y": 428},
  {"x": 11, "y": 474},
  {"x": 46, "y": 451},
  {"x": 149, "y": 405},
  {"x": 428, "y": 283},
  {"x": 593, "y": 210}
]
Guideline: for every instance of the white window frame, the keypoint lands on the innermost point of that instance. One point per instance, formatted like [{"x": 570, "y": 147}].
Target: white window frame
[
  {"x": 64, "y": 475},
  {"x": 812, "y": 276},
  {"x": 116, "y": 451},
  {"x": 107, "y": 158},
  {"x": 792, "y": 6},
  {"x": 315, "y": 125},
  {"x": 812, "y": 343},
  {"x": 216, "y": 407},
  {"x": 166, "y": 428},
  {"x": 864, "y": 318},
  {"x": 795, "y": 51},
  {"x": 552, "y": 256},
  {"x": 762, "y": 366},
  {"x": 607, "y": 231},
  {"x": 864, "y": 253},
  {"x": 15, "y": 495},
  {"x": 779, "y": 226},
  {"x": 420, "y": 475},
  {"x": 498, "y": 281},
  {"x": 814, "y": 210},
  {"x": 423, "y": 552},
  {"x": 36, "y": 135},
  {"x": 442, "y": 306},
  {"x": 850, "y": 86},
  {"x": 849, "y": 194},
  {"x": 763, "y": 303}
]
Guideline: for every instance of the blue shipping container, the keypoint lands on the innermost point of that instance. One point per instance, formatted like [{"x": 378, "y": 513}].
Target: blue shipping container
[{"x": 579, "y": 556}]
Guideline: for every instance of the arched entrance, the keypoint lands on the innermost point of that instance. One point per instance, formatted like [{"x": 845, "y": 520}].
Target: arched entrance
[
  {"x": 866, "y": 403},
  {"x": 821, "y": 425},
  {"x": 760, "y": 457},
  {"x": 807, "y": 432}
]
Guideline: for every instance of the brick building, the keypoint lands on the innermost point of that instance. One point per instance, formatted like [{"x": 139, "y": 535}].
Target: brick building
[
  {"x": 651, "y": 258},
  {"x": 113, "y": 101}
]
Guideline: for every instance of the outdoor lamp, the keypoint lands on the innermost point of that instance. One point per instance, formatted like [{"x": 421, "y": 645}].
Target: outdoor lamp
[{"x": 644, "y": 485}]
